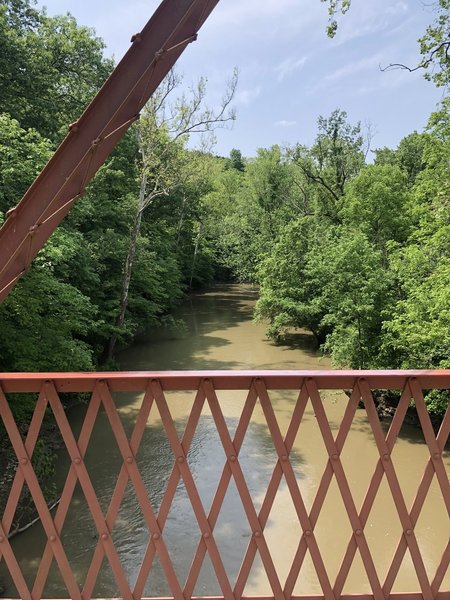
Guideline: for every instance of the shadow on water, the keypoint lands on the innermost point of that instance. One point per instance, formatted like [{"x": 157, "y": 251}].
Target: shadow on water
[
  {"x": 207, "y": 319},
  {"x": 305, "y": 342}
]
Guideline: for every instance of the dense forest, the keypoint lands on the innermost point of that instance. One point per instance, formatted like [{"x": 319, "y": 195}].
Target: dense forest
[{"x": 350, "y": 243}]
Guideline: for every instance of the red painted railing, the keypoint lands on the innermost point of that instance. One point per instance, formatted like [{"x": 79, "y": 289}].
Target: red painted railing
[{"x": 158, "y": 394}]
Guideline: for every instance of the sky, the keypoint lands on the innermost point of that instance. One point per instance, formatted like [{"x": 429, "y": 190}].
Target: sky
[{"x": 290, "y": 72}]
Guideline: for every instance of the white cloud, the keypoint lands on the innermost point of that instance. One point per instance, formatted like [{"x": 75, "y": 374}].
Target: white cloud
[
  {"x": 284, "y": 123},
  {"x": 238, "y": 12},
  {"x": 399, "y": 8},
  {"x": 390, "y": 81},
  {"x": 288, "y": 66},
  {"x": 364, "y": 64},
  {"x": 246, "y": 97},
  {"x": 370, "y": 17}
]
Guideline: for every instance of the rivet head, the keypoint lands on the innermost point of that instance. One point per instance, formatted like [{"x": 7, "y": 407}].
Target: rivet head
[
  {"x": 284, "y": 457},
  {"x": 386, "y": 457},
  {"x": 180, "y": 459},
  {"x": 408, "y": 532},
  {"x": 307, "y": 532},
  {"x": 232, "y": 458},
  {"x": 257, "y": 534},
  {"x": 358, "y": 532},
  {"x": 129, "y": 459},
  {"x": 155, "y": 536},
  {"x": 77, "y": 460},
  {"x": 24, "y": 461},
  {"x": 206, "y": 535},
  {"x": 436, "y": 456},
  {"x": 52, "y": 538},
  {"x": 335, "y": 456},
  {"x": 104, "y": 536}
]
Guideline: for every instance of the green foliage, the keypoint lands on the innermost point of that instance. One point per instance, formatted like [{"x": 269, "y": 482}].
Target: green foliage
[
  {"x": 333, "y": 284},
  {"x": 335, "y": 7},
  {"x": 235, "y": 161},
  {"x": 327, "y": 167},
  {"x": 376, "y": 203},
  {"x": 49, "y": 67},
  {"x": 365, "y": 264},
  {"x": 43, "y": 324},
  {"x": 23, "y": 153},
  {"x": 435, "y": 46},
  {"x": 409, "y": 155}
]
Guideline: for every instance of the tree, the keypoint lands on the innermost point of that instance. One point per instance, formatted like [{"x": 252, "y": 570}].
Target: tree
[
  {"x": 162, "y": 134},
  {"x": 356, "y": 294},
  {"x": 288, "y": 298},
  {"x": 23, "y": 153},
  {"x": 375, "y": 204},
  {"x": 409, "y": 155},
  {"x": 44, "y": 321},
  {"x": 50, "y": 67},
  {"x": 336, "y": 156},
  {"x": 235, "y": 161},
  {"x": 269, "y": 182}
]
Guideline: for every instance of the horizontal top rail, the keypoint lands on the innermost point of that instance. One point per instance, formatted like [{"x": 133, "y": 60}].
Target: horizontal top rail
[{"x": 223, "y": 380}]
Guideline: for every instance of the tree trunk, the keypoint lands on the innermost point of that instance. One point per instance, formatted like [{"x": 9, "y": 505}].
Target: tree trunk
[
  {"x": 128, "y": 268},
  {"x": 197, "y": 244}
]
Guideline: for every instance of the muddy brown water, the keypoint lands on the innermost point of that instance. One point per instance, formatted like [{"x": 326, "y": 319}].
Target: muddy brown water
[{"x": 219, "y": 333}]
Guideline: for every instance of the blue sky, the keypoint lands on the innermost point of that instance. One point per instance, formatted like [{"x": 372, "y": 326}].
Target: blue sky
[{"x": 290, "y": 72}]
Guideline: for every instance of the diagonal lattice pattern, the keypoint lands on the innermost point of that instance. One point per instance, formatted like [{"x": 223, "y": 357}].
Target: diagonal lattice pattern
[{"x": 159, "y": 552}]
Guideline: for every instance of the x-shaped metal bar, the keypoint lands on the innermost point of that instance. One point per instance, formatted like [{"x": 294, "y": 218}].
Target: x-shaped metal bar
[
  {"x": 241, "y": 485},
  {"x": 67, "y": 493},
  {"x": 191, "y": 489},
  {"x": 170, "y": 492},
  {"x": 322, "y": 490},
  {"x": 394, "y": 485},
  {"x": 347, "y": 498},
  {"x": 434, "y": 465},
  {"x": 374, "y": 485},
  {"x": 221, "y": 492},
  {"x": 31, "y": 480}
]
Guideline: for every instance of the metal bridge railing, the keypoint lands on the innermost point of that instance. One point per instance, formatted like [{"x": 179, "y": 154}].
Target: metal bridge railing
[{"x": 211, "y": 393}]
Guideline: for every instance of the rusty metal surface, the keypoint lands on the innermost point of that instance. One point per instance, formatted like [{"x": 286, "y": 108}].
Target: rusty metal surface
[
  {"x": 308, "y": 388},
  {"x": 92, "y": 138}
]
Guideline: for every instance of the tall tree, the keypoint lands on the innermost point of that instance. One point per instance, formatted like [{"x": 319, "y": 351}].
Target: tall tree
[
  {"x": 162, "y": 134},
  {"x": 336, "y": 156}
]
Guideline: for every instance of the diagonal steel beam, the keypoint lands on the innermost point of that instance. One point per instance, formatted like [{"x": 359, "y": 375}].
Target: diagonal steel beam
[{"x": 92, "y": 138}]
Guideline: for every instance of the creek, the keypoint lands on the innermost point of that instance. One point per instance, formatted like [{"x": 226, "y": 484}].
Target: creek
[{"x": 219, "y": 334}]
